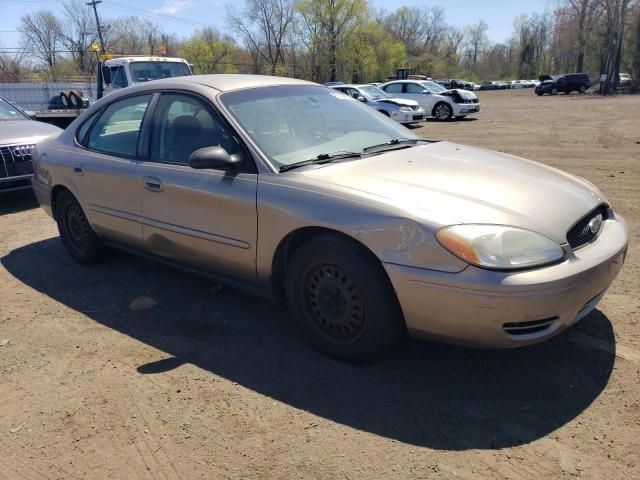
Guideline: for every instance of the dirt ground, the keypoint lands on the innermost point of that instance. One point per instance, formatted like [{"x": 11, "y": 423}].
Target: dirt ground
[{"x": 130, "y": 370}]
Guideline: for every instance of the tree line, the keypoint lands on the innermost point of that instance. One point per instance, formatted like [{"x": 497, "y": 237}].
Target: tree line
[{"x": 347, "y": 40}]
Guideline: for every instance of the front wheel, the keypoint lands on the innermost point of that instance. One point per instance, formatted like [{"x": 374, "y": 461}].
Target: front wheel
[
  {"x": 442, "y": 111},
  {"x": 342, "y": 299},
  {"x": 554, "y": 91},
  {"x": 582, "y": 89},
  {"x": 77, "y": 235}
]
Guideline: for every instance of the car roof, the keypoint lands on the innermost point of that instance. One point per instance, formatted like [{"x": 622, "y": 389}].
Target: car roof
[{"x": 226, "y": 82}]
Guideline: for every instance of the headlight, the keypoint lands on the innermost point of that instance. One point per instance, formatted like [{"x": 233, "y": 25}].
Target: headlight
[
  {"x": 499, "y": 246},
  {"x": 405, "y": 109}
]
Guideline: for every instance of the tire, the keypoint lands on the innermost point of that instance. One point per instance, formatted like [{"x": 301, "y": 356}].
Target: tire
[
  {"x": 582, "y": 89},
  {"x": 539, "y": 94},
  {"x": 342, "y": 299},
  {"x": 77, "y": 235},
  {"x": 554, "y": 91},
  {"x": 442, "y": 111},
  {"x": 64, "y": 100},
  {"x": 75, "y": 98}
]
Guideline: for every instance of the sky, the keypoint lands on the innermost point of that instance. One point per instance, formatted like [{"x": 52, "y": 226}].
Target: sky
[{"x": 183, "y": 16}]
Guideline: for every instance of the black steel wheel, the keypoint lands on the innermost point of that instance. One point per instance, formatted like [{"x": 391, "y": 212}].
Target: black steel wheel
[
  {"x": 342, "y": 299},
  {"x": 77, "y": 235}
]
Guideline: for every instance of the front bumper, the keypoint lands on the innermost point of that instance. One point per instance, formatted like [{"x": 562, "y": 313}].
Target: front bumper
[
  {"x": 487, "y": 308},
  {"x": 461, "y": 109},
  {"x": 409, "y": 117}
]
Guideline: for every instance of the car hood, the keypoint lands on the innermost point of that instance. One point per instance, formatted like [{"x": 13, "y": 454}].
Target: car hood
[
  {"x": 25, "y": 131},
  {"x": 402, "y": 102},
  {"x": 444, "y": 183},
  {"x": 465, "y": 94}
]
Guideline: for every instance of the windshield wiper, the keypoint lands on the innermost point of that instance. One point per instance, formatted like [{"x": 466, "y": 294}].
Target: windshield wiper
[
  {"x": 393, "y": 144},
  {"x": 320, "y": 160}
]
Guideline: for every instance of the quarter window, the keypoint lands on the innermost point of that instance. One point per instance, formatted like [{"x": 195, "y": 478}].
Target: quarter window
[
  {"x": 184, "y": 124},
  {"x": 117, "y": 130}
]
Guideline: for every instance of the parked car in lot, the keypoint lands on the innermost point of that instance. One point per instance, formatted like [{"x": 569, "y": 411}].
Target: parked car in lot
[
  {"x": 453, "y": 83},
  {"x": 514, "y": 84},
  {"x": 625, "y": 80},
  {"x": 18, "y": 135},
  {"x": 402, "y": 110},
  {"x": 437, "y": 101},
  {"x": 554, "y": 84},
  {"x": 493, "y": 86},
  {"x": 292, "y": 191}
]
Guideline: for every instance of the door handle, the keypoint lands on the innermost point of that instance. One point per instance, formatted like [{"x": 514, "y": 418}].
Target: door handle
[
  {"x": 78, "y": 169},
  {"x": 152, "y": 184}
]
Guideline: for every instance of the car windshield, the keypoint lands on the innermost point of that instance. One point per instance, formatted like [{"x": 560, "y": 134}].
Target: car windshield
[
  {"x": 9, "y": 112},
  {"x": 433, "y": 87},
  {"x": 145, "y": 71},
  {"x": 291, "y": 124},
  {"x": 373, "y": 93}
]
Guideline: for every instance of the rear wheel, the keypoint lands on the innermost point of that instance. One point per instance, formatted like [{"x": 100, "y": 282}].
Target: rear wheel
[
  {"x": 583, "y": 89},
  {"x": 554, "y": 91},
  {"x": 77, "y": 235},
  {"x": 442, "y": 111},
  {"x": 342, "y": 299}
]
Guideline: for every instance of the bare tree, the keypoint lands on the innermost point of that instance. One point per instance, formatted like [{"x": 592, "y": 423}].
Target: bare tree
[
  {"x": 477, "y": 39},
  {"x": 41, "y": 36},
  {"x": 419, "y": 28},
  {"x": 615, "y": 14},
  {"x": 587, "y": 13},
  {"x": 78, "y": 31},
  {"x": 264, "y": 25}
]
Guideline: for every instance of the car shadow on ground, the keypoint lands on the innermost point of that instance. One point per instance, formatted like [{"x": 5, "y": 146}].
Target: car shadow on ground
[
  {"x": 422, "y": 393},
  {"x": 14, "y": 202}
]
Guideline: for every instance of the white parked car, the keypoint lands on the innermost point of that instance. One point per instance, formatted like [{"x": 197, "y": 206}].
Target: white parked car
[
  {"x": 516, "y": 84},
  {"x": 437, "y": 101}
]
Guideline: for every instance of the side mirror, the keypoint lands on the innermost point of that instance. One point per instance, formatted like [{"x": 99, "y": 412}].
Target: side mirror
[
  {"x": 426, "y": 92},
  {"x": 106, "y": 75},
  {"x": 213, "y": 157},
  {"x": 360, "y": 98}
]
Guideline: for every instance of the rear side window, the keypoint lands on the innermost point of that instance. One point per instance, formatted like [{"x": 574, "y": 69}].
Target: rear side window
[
  {"x": 81, "y": 134},
  {"x": 117, "y": 130}
]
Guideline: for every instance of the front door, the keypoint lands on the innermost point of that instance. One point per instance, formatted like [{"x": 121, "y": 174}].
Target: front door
[
  {"x": 414, "y": 91},
  {"x": 205, "y": 218}
]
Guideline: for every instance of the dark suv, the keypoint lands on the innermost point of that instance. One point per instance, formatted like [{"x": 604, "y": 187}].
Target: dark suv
[{"x": 572, "y": 82}]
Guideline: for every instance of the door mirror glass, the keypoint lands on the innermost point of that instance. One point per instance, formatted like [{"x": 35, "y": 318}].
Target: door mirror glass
[{"x": 213, "y": 157}]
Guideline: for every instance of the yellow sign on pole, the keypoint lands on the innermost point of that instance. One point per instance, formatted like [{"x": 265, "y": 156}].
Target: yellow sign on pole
[{"x": 95, "y": 47}]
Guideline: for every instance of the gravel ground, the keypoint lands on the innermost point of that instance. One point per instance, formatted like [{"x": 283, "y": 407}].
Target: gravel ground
[{"x": 128, "y": 369}]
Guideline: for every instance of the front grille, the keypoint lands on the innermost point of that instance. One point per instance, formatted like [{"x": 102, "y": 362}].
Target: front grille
[
  {"x": 532, "y": 326},
  {"x": 16, "y": 160},
  {"x": 581, "y": 234},
  {"x": 417, "y": 117}
]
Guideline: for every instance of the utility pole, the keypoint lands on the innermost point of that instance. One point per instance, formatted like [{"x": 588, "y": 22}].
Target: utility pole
[{"x": 93, "y": 4}]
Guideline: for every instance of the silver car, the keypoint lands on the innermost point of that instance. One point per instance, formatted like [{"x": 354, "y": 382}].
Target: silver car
[
  {"x": 18, "y": 135},
  {"x": 402, "y": 110},
  {"x": 283, "y": 188}
]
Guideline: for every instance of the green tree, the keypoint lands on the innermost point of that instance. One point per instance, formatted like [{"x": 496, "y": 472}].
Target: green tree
[{"x": 209, "y": 52}]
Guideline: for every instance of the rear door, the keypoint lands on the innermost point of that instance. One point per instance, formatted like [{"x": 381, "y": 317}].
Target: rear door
[
  {"x": 105, "y": 169},
  {"x": 204, "y": 218}
]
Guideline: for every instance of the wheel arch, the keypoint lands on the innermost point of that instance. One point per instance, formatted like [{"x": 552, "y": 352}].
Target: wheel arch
[
  {"x": 55, "y": 194},
  {"x": 293, "y": 241}
]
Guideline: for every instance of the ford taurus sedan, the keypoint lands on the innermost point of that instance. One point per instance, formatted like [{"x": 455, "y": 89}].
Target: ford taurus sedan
[{"x": 289, "y": 190}]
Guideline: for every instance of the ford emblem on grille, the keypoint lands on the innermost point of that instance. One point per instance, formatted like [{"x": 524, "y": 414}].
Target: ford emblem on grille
[{"x": 595, "y": 224}]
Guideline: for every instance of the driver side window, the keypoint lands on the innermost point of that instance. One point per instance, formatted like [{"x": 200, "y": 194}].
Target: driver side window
[
  {"x": 393, "y": 88},
  {"x": 184, "y": 124},
  {"x": 414, "y": 88}
]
